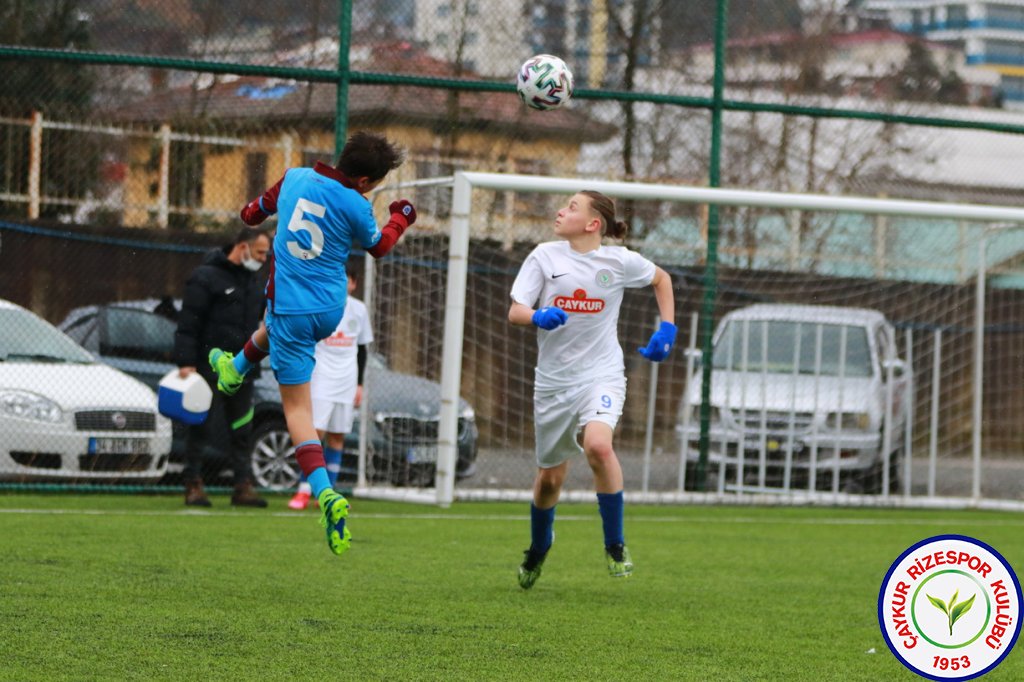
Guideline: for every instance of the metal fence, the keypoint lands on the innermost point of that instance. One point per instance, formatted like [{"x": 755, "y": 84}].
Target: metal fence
[
  {"x": 912, "y": 408},
  {"x": 130, "y": 129}
]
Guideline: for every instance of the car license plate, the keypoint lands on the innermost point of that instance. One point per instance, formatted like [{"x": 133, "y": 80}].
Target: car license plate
[
  {"x": 773, "y": 445},
  {"x": 118, "y": 446},
  {"x": 422, "y": 454}
]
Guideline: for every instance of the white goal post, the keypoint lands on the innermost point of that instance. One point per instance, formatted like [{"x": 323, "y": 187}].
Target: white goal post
[{"x": 463, "y": 185}]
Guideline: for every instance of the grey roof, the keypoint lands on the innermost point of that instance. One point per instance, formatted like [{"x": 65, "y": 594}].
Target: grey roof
[{"x": 249, "y": 102}]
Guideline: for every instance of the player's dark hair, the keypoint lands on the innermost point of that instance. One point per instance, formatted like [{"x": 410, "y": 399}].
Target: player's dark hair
[
  {"x": 369, "y": 155},
  {"x": 247, "y": 235},
  {"x": 605, "y": 207}
]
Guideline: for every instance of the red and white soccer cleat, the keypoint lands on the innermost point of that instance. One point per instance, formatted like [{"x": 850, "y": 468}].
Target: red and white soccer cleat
[{"x": 300, "y": 501}]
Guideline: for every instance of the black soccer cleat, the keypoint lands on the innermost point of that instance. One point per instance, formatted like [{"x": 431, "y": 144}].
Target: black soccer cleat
[{"x": 529, "y": 570}]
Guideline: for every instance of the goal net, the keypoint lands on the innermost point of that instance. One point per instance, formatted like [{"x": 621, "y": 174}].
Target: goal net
[{"x": 867, "y": 350}]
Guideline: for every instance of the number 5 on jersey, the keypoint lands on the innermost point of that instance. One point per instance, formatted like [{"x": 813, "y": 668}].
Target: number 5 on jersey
[{"x": 299, "y": 223}]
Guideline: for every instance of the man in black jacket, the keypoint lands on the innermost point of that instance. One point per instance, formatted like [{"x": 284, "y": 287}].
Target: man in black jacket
[{"x": 223, "y": 303}]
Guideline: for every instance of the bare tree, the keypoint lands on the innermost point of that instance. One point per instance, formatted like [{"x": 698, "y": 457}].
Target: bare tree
[
  {"x": 763, "y": 150},
  {"x": 632, "y": 24}
]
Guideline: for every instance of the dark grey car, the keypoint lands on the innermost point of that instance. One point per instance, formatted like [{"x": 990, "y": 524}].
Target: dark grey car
[{"x": 405, "y": 409}]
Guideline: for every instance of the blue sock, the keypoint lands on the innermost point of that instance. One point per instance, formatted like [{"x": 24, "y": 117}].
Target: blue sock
[
  {"x": 610, "y": 505},
  {"x": 241, "y": 360},
  {"x": 242, "y": 363},
  {"x": 542, "y": 523},
  {"x": 333, "y": 459},
  {"x": 319, "y": 481}
]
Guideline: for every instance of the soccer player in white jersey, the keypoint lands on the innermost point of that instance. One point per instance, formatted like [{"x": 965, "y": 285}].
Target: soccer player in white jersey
[
  {"x": 571, "y": 290},
  {"x": 336, "y": 387}
]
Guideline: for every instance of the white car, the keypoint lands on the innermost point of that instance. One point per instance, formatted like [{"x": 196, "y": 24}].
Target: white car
[
  {"x": 64, "y": 416},
  {"x": 796, "y": 389}
]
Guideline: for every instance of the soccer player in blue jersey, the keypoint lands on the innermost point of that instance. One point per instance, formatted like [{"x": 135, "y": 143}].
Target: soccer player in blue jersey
[{"x": 324, "y": 211}]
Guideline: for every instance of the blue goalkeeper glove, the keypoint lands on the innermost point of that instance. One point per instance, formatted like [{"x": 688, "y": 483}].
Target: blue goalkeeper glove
[
  {"x": 550, "y": 318},
  {"x": 661, "y": 343}
]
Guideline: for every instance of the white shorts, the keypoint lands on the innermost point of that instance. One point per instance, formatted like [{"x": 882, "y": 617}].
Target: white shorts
[
  {"x": 559, "y": 416},
  {"x": 333, "y": 417}
]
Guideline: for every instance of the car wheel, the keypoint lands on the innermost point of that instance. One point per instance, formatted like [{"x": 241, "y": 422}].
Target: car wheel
[
  {"x": 412, "y": 475},
  {"x": 691, "y": 477},
  {"x": 379, "y": 469},
  {"x": 273, "y": 456},
  {"x": 868, "y": 481},
  {"x": 896, "y": 472},
  {"x": 465, "y": 470}
]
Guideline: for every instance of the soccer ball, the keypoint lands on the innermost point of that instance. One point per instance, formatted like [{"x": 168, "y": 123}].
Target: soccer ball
[{"x": 544, "y": 82}]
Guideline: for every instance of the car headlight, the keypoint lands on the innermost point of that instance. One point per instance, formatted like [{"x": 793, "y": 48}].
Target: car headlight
[
  {"x": 848, "y": 421},
  {"x": 26, "y": 405}
]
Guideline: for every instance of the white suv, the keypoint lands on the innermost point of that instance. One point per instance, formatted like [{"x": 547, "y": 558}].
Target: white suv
[{"x": 798, "y": 390}]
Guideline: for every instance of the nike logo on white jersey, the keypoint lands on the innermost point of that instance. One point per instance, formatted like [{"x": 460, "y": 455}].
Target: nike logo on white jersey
[
  {"x": 227, "y": 292},
  {"x": 554, "y": 276}
]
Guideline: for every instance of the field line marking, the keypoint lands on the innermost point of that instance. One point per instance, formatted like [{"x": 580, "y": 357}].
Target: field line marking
[{"x": 520, "y": 518}]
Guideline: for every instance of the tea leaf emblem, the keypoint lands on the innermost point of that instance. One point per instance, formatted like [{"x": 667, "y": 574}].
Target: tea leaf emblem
[{"x": 953, "y": 611}]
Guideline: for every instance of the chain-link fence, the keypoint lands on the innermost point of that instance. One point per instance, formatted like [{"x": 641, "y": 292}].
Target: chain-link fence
[
  {"x": 131, "y": 133},
  {"x": 799, "y": 283}
]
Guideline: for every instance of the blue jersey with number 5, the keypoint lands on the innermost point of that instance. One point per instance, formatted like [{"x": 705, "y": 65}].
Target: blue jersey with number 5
[{"x": 318, "y": 221}]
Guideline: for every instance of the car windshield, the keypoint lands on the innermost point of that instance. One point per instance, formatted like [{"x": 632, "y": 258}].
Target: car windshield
[
  {"x": 24, "y": 337},
  {"x": 785, "y": 340}
]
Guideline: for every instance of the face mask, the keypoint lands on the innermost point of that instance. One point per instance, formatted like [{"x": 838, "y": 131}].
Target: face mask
[{"x": 250, "y": 263}]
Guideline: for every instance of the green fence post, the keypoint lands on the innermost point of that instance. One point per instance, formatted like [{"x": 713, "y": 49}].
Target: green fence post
[
  {"x": 707, "y": 322},
  {"x": 344, "y": 74}
]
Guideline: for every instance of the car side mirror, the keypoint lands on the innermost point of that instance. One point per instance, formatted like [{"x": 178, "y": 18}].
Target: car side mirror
[{"x": 898, "y": 366}]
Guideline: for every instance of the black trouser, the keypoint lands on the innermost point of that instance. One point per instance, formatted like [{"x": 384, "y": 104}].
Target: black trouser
[{"x": 224, "y": 439}]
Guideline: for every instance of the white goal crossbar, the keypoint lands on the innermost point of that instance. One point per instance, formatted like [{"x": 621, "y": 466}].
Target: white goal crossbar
[{"x": 463, "y": 184}]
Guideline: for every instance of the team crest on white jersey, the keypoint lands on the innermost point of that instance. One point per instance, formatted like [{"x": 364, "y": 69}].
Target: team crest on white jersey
[{"x": 604, "y": 278}]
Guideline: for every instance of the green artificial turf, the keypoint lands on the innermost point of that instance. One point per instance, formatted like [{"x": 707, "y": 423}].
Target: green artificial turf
[{"x": 136, "y": 587}]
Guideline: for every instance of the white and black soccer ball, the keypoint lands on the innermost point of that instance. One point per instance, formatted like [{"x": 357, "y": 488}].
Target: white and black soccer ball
[{"x": 544, "y": 82}]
